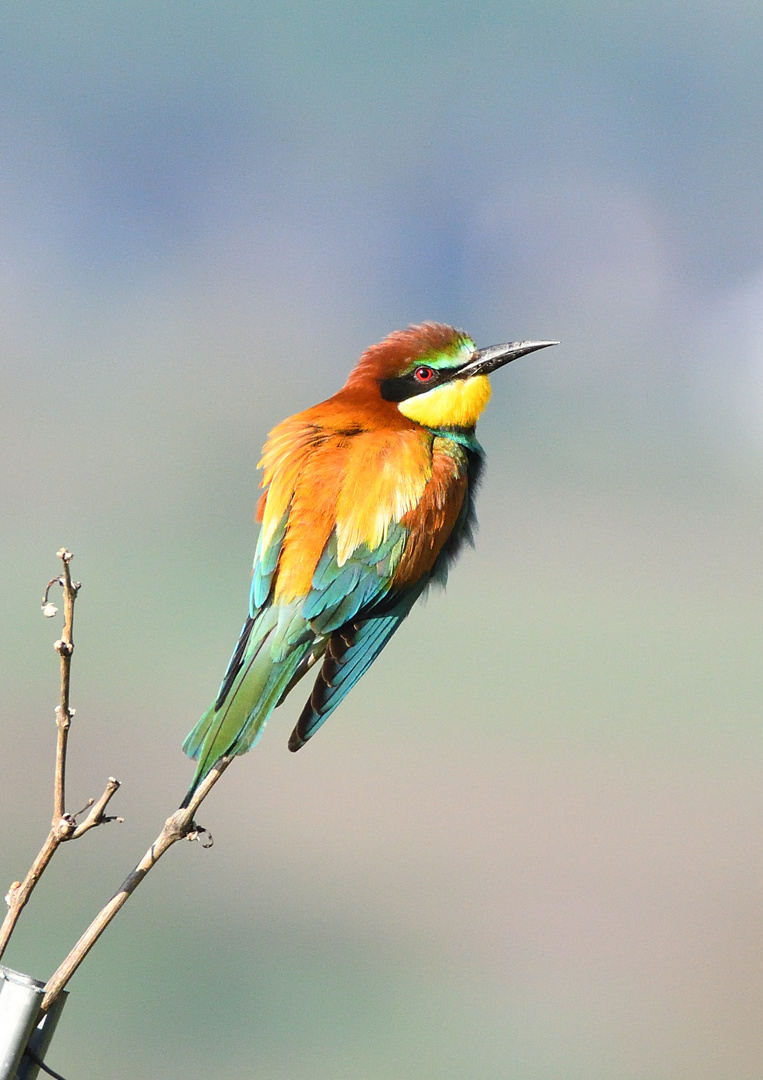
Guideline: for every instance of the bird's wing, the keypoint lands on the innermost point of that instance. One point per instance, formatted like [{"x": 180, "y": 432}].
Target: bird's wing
[
  {"x": 266, "y": 558},
  {"x": 340, "y": 590},
  {"x": 349, "y": 653},
  {"x": 355, "y": 607},
  {"x": 280, "y": 641},
  {"x": 271, "y": 649}
]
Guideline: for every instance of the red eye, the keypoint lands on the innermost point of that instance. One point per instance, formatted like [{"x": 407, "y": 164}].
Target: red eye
[{"x": 423, "y": 374}]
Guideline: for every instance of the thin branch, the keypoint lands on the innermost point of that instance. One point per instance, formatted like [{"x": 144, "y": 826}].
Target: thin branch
[
  {"x": 178, "y": 827},
  {"x": 20, "y": 891},
  {"x": 64, "y": 647},
  {"x": 63, "y": 826}
]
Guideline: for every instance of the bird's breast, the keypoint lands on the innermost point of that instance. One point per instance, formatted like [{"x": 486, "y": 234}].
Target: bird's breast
[{"x": 432, "y": 521}]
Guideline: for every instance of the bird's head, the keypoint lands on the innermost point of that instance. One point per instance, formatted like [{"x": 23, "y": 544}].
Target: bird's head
[{"x": 434, "y": 374}]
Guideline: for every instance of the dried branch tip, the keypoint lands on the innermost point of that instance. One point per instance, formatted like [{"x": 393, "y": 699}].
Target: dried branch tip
[
  {"x": 49, "y": 609},
  {"x": 96, "y": 815}
]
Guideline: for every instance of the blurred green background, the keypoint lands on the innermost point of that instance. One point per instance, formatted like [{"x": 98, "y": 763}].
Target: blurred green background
[{"x": 528, "y": 845}]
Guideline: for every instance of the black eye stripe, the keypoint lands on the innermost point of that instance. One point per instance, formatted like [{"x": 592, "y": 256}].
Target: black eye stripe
[{"x": 406, "y": 386}]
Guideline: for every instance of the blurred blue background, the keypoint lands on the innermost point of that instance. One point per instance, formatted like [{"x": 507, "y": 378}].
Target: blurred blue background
[{"x": 528, "y": 845}]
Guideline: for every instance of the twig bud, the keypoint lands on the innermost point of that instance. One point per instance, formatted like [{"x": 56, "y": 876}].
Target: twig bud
[{"x": 9, "y": 895}]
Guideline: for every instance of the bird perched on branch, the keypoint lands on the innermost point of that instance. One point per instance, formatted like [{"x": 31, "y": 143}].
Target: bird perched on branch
[{"x": 368, "y": 499}]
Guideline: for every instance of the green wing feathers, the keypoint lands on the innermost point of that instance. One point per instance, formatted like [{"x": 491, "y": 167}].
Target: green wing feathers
[{"x": 271, "y": 649}]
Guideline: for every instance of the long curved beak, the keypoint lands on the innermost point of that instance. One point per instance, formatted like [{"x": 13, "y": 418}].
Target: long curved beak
[{"x": 494, "y": 356}]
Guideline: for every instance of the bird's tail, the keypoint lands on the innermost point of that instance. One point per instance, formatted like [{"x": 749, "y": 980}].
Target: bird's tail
[{"x": 271, "y": 649}]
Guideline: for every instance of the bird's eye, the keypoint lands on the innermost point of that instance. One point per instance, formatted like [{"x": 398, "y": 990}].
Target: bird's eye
[{"x": 423, "y": 374}]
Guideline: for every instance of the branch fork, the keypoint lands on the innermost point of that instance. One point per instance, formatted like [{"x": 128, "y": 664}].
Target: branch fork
[
  {"x": 180, "y": 826},
  {"x": 64, "y": 827}
]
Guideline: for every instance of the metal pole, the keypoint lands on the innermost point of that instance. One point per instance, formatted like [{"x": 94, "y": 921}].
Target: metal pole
[{"x": 22, "y": 1024}]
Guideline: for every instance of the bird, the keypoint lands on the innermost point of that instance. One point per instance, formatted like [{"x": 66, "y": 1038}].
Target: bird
[{"x": 368, "y": 499}]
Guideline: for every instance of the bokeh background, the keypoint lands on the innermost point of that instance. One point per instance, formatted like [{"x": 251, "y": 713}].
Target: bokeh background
[{"x": 528, "y": 845}]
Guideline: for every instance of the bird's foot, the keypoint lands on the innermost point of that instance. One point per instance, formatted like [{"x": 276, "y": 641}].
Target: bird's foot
[{"x": 198, "y": 832}]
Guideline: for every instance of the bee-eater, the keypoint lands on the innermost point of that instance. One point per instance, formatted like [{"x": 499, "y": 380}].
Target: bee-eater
[{"x": 368, "y": 499}]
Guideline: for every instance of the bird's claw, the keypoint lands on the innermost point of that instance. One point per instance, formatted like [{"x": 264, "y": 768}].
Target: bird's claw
[{"x": 198, "y": 832}]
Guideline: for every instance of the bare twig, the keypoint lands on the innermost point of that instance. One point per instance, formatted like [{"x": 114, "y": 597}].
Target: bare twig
[
  {"x": 178, "y": 827},
  {"x": 64, "y": 647},
  {"x": 63, "y": 826},
  {"x": 20, "y": 891}
]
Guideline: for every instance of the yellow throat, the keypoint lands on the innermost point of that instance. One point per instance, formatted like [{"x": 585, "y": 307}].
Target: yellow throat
[{"x": 456, "y": 404}]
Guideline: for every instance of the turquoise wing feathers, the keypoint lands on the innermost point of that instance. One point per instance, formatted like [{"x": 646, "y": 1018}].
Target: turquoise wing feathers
[
  {"x": 349, "y": 653},
  {"x": 359, "y": 619},
  {"x": 347, "y": 618}
]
